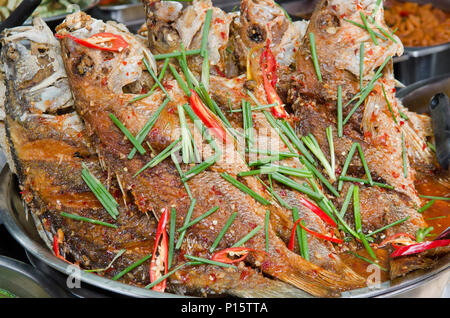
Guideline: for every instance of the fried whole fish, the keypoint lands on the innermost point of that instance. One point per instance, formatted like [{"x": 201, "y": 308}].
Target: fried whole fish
[
  {"x": 379, "y": 123},
  {"x": 230, "y": 93},
  {"x": 47, "y": 152},
  {"x": 161, "y": 186},
  {"x": 379, "y": 134}
]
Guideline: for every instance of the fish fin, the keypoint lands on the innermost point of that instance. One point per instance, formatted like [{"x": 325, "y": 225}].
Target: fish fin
[{"x": 270, "y": 289}]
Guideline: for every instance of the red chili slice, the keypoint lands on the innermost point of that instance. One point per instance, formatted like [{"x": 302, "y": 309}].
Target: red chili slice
[
  {"x": 112, "y": 42},
  {"x": 160, "y": 253},
  {"x": 56, "y": 249},
  {"x": 222, "y": 256},
  {"x": 207, "y": 117},
  {"x": 319, "y": 235},
  {"x": 419, "y": 247},
  {"x": 318, "y": 211},
  {"x": 393, "y": 237},
  {"x": 269, "y": 74}
]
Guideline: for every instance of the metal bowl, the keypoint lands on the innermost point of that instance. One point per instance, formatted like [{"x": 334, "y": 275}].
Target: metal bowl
[
  {"x": 24, "y": 281},
  {"x": 21, "y": 225}
]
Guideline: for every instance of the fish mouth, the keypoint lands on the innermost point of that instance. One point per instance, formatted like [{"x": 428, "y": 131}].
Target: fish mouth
[{"x": 120, "y": 145}]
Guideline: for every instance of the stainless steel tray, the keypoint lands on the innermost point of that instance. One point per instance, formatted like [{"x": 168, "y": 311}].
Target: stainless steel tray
[{"x": 22, "y": 227}]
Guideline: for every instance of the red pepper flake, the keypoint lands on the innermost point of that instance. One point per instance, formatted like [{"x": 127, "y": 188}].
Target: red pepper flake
[
  {"x": 395, "y": 174},
  {"x": 124, "y": 62}
]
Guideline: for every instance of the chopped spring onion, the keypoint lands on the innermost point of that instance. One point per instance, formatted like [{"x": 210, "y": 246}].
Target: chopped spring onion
[
  {"x": 152, "y": 74},
  {"x": 222, "y": 232},
  {"x": 244, "y": 188},
  {"x": 363, "y": 27},
  {"x": 263, "y": 170},
  {"x": 200, "y": 218},
  {"x": 164, "y": 277},
  {"x": 99, "y": 190},
  {"x": 274, "y": 194},
  {"x": 119, "y": 254},
  {"x": 84, "y": 219},
  {"x": 173, "y": 215},
  {"x": 290, "y": 171},
  {"x": 434, "y": 198},
  {"x": 319, "y": 175},
  {"x": 431, "y": 146},
  {"x": 404, "y": 157},
  {"x": 160, "y": 77},
  {"x": 389, "y": 104},
  {"x": 346, "y": 203},
  {"x": 296, "y": 186},
  {"x": 177, "y": 166},
  {"x": 180, "y": 81},
  {"x": 346, "y": 164},
  {"x": 351, "y": 179},
  {"x": 247, "y": 237},
  {"x": 186, "y": 222},
  {"x": 205, "y": 71},
  {"x": 147, "y": 127},
  {"x": 127, "y": 133},
  {"x": 358, "y": 224},
  {"x": 339, "y": 112},
  {"x": 160, "y": 157},
  {"x": 200, "y": 167},
  {"x": 329, "y": 132},
  {"x": 426, "y": 206},
  {"x": 312, "y": 144},
  {"x": 253, "y": 108},
  {"x": 266, "y": 229},
  {"x": 367, "y": 260},
  {"x": 270, "y": 159},
  {"x": 206, "y": 27},
  {"x": 388, "y": 226},
  {"x": 290, "y": 133},
  {"x": 208, "y": 261},
  {"x": 371, "y": 33},
  {"x": 247, "y": 122},
  {"x": 361, "y": 66},
  {"x": 175, "y": 54},
  {"x": 187, "y": 149},
  {"x": 132, "y": 266},
  {"x": 302, "y": 238},
  {"x": 422, "y": 233},
  {"x": 312, "y": 42}
]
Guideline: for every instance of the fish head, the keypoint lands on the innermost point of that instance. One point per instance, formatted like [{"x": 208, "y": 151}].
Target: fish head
[
  {"x": 100, "y": 68},
  {"x": 34, "y": 69},
  {"x": 162, "y": 35}
]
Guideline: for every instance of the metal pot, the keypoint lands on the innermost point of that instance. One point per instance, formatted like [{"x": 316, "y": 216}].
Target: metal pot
[{"x": 419, "y": 63}]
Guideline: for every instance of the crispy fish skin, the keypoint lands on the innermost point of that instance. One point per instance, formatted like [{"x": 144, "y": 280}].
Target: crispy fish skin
[{"x": 94, "y": 101}]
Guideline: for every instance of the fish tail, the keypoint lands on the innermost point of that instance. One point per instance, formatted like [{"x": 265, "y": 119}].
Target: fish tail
[{"x": 270, "y": 289}]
